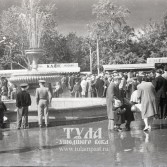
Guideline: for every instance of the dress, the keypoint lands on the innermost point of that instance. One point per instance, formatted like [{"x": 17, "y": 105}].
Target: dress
[
  {"x": 134, "y": 97},
  {"x": 110, "y": 99},
  {"x": 84, "y": 87},
  {"x": 147, "y": 95}
]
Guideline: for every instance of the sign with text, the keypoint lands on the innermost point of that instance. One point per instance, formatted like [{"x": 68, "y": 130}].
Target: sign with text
[
  {"x": 58, "y": 65},
  {"x": 66, "y": 65},
  {"x": 156, "y": 60}
]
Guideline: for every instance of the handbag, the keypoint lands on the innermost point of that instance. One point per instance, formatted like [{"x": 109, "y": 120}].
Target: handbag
[{"x": 136, "y": 108}]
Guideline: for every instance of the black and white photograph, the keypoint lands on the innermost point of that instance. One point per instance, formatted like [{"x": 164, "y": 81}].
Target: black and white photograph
[{"x": 83, "y": 83}]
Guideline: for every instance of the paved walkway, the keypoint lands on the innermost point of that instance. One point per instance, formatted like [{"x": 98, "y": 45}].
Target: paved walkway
[{"x": 83, "y": 145}]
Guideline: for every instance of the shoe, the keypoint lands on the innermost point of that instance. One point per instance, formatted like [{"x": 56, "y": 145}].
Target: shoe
[
  {"x": 149, "y": 128},
  {"x": 118, "y": 129},
  {"x": 146, "y": 129},
  {"x": 18, "y": 128},
  {"x": 47, "y": 125},
  {"x": 26, "y": 127},
  {"x": 40, "y": 126}
]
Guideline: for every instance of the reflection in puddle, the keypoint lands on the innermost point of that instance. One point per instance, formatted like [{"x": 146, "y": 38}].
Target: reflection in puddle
[{"x": 41, "y": 147}]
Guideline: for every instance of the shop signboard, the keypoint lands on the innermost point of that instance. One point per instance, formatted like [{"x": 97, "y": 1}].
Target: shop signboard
[
  {"x": 156, "y": 60},
  {"x": 58, "y": 65}
]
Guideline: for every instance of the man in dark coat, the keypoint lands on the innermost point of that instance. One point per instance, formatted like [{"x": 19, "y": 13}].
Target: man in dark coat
[
  {"x": 23, "y": 100},
  {"x": 160, "y": 85},
  {"x": 2, "y": 109},
  {"x": 112, "y": 92},
  {"x": 71, "y": 83},
  {"x": 99, "y": 86}
]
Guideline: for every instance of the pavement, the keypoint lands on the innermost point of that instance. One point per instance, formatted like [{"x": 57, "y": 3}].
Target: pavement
[{"x": 83, "y": 145}]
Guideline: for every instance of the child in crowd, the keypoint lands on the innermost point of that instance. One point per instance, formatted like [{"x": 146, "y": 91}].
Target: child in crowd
[
  {"x": 119, "y": 117},
  {"x": 4, "y": 93},
  {"x": 58, "y": 90},
  {"x": 77, "y": 89},
  {"x": 13, "y": 94}
]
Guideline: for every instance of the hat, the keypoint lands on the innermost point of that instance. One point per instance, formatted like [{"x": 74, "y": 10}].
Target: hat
[
  {"x": 42, "y": 81},
  {"x": 159, "y": 71},
  {"x": 23, "y": 85}
]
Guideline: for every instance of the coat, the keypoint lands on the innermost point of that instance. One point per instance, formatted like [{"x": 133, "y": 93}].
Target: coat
[
  {"x": 160, "y": 85},
  {"x": 147, "y": 95},
  {"x": 110, "y": 100},
  {"x": 84, "y": 86},
  {"x": 71, "y": 82},
  {"x": 23, "y": 99},
  {"x": 99, "y": 87}
]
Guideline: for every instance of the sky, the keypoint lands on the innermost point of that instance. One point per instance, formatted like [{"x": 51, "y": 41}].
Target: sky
[{"x": 75, "y": 15}]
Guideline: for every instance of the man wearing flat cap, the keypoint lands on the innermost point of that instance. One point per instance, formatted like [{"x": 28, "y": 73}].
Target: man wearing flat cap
[
  {"x": 160, "y": 85},
  {"x": 43, "y": 99},
  {"x": 23, "y": 101}
]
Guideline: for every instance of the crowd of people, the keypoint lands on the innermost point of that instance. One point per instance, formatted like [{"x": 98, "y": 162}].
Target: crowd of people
[
  {"x": 143, "y": 92},
  {"x": 125, "y": 92}
]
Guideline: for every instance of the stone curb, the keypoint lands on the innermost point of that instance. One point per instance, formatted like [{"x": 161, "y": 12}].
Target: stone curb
[{"x": 13, "y": 125}]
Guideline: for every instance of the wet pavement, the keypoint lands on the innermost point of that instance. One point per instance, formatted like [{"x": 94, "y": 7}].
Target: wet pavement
[{"x": 83, "y": 145}]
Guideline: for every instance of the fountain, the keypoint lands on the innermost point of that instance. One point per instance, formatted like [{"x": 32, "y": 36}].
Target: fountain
[
  {"x": 33, "y": 21},
  {"x": 61, "y": 109}
]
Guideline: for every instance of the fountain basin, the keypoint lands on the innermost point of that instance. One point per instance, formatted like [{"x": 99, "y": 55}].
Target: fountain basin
[
  {"x": 62, "y": 110},
  {"x": 32, "y": 77}
]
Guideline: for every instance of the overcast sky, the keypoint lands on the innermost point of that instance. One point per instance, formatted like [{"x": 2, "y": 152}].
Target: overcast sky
[{"x": 74, "y": 15}]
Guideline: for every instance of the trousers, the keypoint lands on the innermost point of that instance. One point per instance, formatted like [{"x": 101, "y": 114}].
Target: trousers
[
  {"x": 22, "y": 117},
  {"x": 43, "y": 109},
  {"x": 161, "y": 104}
]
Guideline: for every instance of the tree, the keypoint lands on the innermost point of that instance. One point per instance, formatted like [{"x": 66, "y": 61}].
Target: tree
[
  {"x": 110, "y": 19},
  {"x": 112, "y": 30},
  {"x": 28, "y": 27}
]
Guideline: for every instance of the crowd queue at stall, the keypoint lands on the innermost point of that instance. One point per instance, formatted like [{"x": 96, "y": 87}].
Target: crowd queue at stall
[{"x": 124, "y": 92}]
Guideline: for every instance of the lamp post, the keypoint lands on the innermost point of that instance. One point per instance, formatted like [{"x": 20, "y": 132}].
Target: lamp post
[
  {"x": 98, "y": 59},
  {"x": 90, "y": 57}
]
